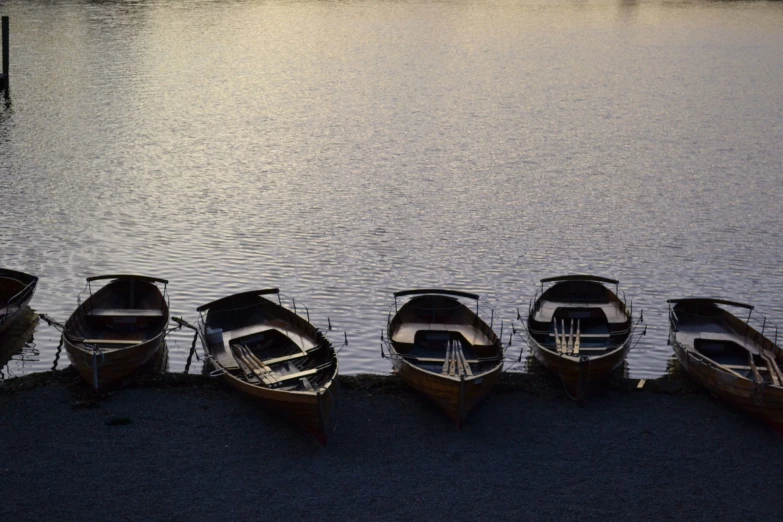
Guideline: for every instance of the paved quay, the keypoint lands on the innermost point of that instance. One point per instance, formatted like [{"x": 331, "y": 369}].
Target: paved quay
[{"x": 184, "y": 448}]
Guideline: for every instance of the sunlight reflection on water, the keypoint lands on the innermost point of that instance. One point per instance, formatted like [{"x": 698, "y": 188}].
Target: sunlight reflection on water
[{"x": 342, "y": 151}]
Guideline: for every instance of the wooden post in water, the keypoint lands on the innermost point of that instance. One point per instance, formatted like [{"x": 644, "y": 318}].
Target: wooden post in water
[{"x": 4, "y": 76}]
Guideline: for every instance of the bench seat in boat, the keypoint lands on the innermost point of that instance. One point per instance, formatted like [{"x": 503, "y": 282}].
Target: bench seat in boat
[
  {"x": 548, "y": 308},
  {"x": 125, "y": 312},
  {"x": 407, "y": 332},
  {"x": 125, "y": 342}
]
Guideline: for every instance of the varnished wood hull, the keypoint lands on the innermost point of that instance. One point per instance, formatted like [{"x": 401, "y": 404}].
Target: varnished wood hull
[
  {"x": 765, "y": 402},
  {"x": 454, "y": 396},
  {"x": 125, "y": 321},
  {"x": 113, "y": 367},
  {"x": 311, "y": 406},
  {"x": 314, "y": 412},
  {"x": 577, "y": 373}
]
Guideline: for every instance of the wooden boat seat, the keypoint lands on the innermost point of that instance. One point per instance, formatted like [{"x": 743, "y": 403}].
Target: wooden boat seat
[
  {"x": 548, "y": 308},
  {"x": 438, "y": 359},
  {"x": 221, "y": 352},
  {"x": 745, "y": 367},
  {"x": 126, "y": 342},
  {"x": 744, "y": 342},
  {"x": 303, "y": 343},
  {"x": 125, "y": 312},
  {"x": 285, "y": 358},
  {"x": 406, "y": 333},
  {"x": 297, "y": 375},
  {"x": 588, "y": 336}
]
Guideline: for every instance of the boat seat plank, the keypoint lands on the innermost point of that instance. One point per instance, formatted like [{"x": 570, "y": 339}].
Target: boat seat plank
[
  {"x": 125, "y": 312},
  {"x": 293, "y": 376},
  {"x": 587, "y": 336},
  {"x": 302, "y": 342},
  {"x": 613, "y": 312},
  {"x": 285, "y": 358},
  {"x": 437, "y": 359},
  {"x": 406, "y": 333},
  {"x": 297, "y": 375},
  {"x": 127, "y": 342},
  {"x": 221, "y": 352},
  {"x": 730, "y": 336},
  {"x": 246, "y": 331}
]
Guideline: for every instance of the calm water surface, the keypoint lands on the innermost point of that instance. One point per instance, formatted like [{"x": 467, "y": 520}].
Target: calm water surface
[{"x": 345, "y": 150}]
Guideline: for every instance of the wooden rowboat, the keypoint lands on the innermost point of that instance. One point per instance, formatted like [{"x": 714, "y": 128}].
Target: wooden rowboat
[
  {"x": 272, "y": 355},
  {"x": 16, "y": 291},
  {"x": 117, "y": 329},
  {"x": 734, "y": 360},
  {"x": 580, "y": 329},
  {"x": 443, "y": 349}
]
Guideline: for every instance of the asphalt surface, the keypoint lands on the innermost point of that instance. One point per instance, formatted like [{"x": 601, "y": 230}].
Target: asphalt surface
[{"x": 200, "y": 452}]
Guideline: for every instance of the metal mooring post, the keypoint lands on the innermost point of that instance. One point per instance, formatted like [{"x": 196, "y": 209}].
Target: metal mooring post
[{"x": 4, "y": 77}]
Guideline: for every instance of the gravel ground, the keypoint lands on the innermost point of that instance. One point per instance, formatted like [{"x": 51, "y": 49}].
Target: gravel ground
[{"x": 199, "y": 452}]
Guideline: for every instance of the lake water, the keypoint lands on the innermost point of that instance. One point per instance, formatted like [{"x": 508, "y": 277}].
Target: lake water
[{"x": 345, "y": 150}]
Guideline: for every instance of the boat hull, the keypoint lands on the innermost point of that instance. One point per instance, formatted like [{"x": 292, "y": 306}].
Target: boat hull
[
  {"x": 117, "y": 329},
  {"x": 577, "y": 373},
  {"x": 114, "y": 366},
  {"x": 314, "y": 412},
  {"x": 765, "y": 402},
  {"x": 454, "y": 396},
  {"x": 311, "y": 403}
]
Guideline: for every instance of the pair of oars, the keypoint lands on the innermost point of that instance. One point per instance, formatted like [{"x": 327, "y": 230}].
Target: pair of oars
[{"x": 569, "y": 344}]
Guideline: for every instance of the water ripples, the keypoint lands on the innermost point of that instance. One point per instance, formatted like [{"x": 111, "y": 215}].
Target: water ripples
[{"x": 343, "y": 152}]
